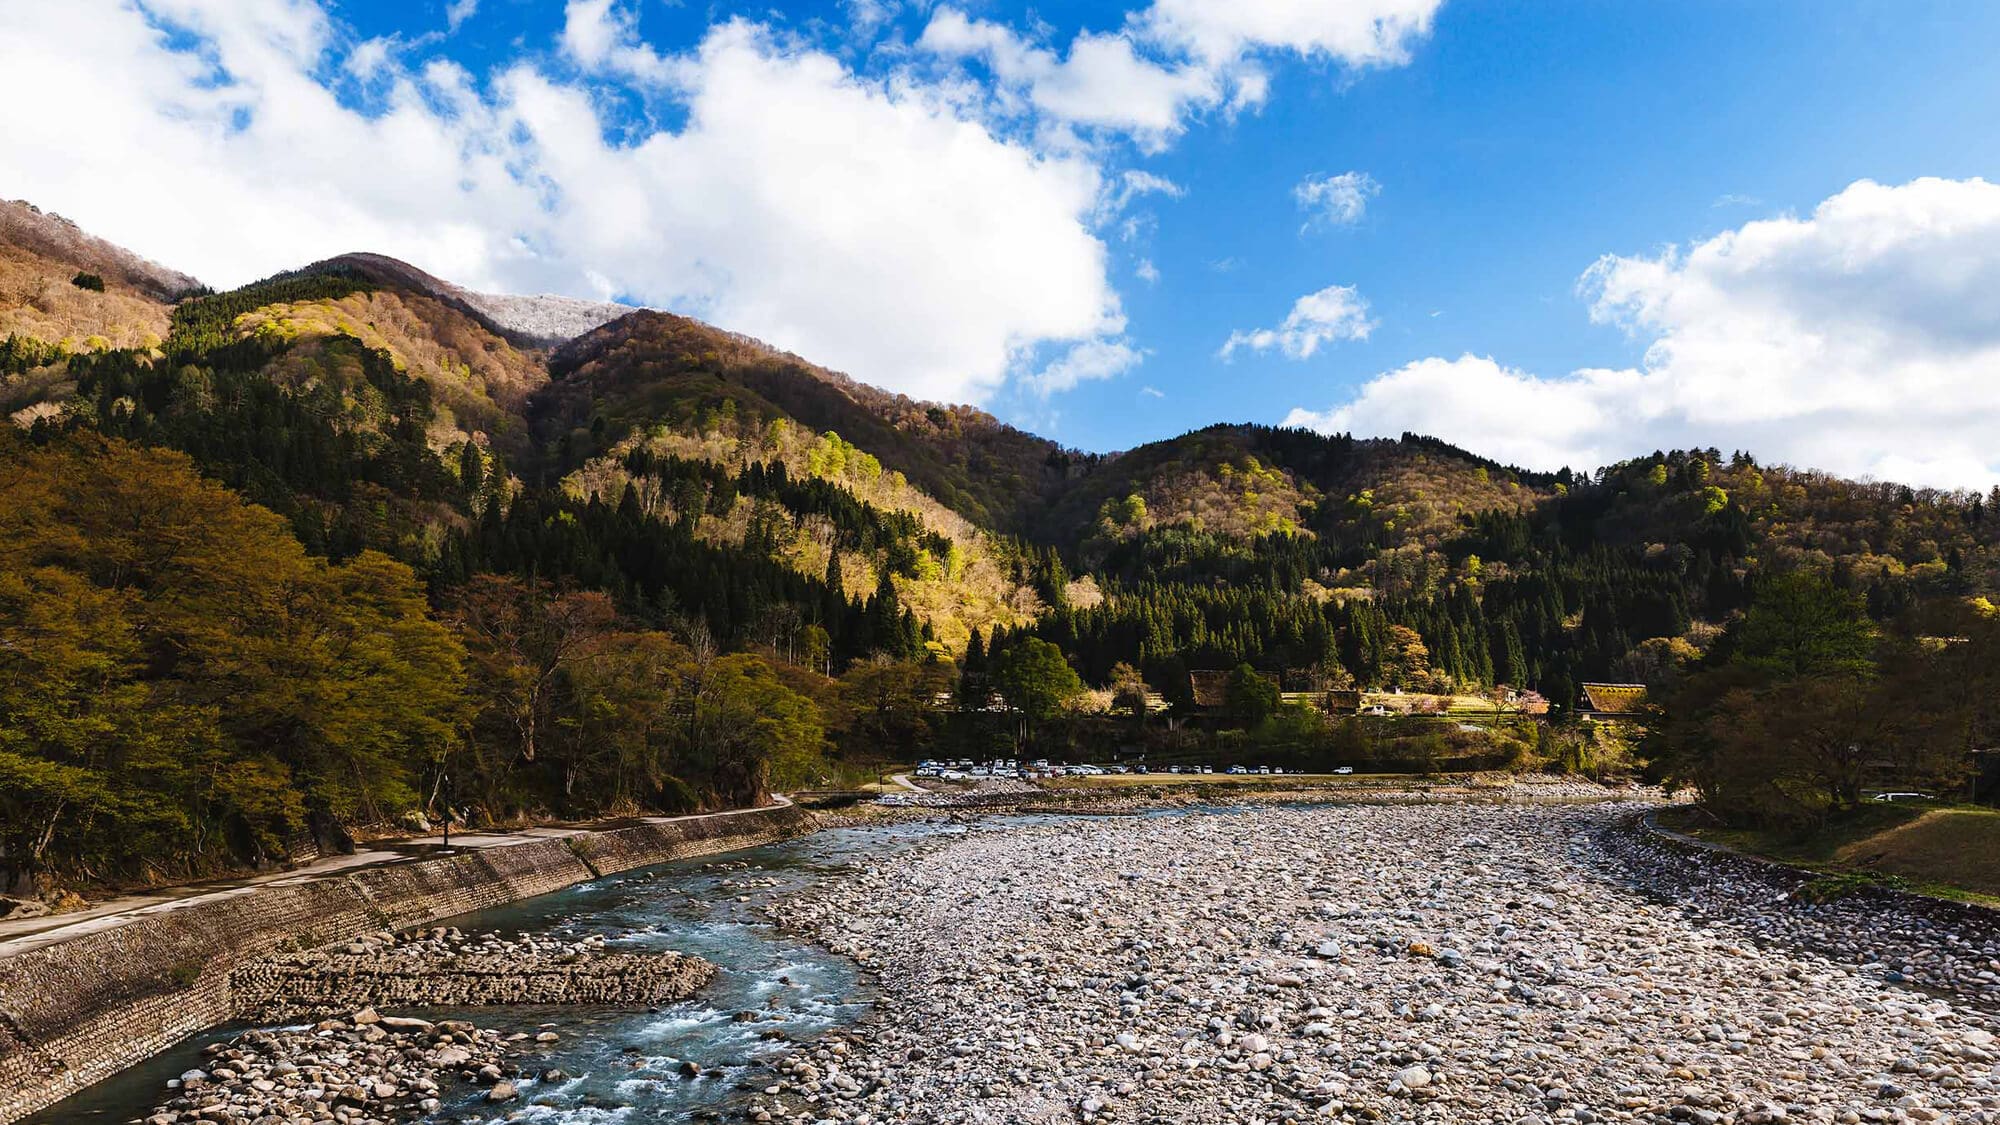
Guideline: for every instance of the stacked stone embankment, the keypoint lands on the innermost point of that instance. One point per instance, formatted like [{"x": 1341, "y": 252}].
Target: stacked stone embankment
[
  {"x": 443, "y": 968},
  {"x": 78, "y": 1010}
]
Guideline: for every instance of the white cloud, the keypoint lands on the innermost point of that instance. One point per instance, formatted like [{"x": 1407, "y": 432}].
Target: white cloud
[
  {"x": 1337, "y": 312},
  {"x": 1135, "y": 183},
  {"x": 1090, "y": 360},
  {"x": 1103, "y": 83},
  {"x": 368, "y": 57},
  {"x": 456, "y": 12},
  {"x": 1335, "y": 200},
  {"x": 1177, "y": 58},
  {"x": 867, "y": 17},
  {"x": 1862, "y": 339},
  {"x": 1357, "y": 33},
  {"x": 867, "y": 224},
  {"x": 1494, "y": 411},
  {"x": 603, "y": 38},
  {"x": 1146, "y": 271}
]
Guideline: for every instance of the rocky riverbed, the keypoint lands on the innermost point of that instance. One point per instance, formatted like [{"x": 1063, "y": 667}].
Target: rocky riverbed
[
  {"x": 362, "y": 1070},
  {"x": 1467, "y": 963}
]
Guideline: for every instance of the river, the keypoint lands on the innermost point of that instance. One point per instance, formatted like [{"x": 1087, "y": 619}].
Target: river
[{"x": 627, "y": 1064}]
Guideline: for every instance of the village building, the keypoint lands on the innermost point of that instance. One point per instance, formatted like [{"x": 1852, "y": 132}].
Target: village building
[{"x": 1613, "y": 701}]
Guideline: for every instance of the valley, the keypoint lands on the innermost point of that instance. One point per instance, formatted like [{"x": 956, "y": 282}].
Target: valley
[{"x": 339, "y": 559}]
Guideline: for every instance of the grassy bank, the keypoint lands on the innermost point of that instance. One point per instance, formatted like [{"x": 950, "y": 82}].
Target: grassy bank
[{"x": 1951, "y": 851}]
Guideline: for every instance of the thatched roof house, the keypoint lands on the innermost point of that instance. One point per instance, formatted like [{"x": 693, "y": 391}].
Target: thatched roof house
[{"x": 1614, "y": 699}]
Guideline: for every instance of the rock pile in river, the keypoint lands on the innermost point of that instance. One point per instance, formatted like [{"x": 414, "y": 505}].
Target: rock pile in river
[
  {"x": 1471, "y": 963},
  {"x": 442, "y": 967},
  {"x": 365, "y": 1070}
]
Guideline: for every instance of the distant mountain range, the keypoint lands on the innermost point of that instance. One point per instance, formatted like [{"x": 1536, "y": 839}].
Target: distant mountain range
[{"x": 978, "y": 524}]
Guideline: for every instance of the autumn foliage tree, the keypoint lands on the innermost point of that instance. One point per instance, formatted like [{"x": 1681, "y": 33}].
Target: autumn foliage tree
[{"x": 181, "y": 685}]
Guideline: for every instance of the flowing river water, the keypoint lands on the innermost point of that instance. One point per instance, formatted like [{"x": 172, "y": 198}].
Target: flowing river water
[{"x": 627, "y": 1064}]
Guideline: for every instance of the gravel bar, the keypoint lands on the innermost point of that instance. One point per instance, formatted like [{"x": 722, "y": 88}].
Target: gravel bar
[{"x": 1468, "y": 963}]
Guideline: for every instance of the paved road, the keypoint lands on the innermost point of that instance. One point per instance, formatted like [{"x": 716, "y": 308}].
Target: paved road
[{"x": 22, "y": 934}]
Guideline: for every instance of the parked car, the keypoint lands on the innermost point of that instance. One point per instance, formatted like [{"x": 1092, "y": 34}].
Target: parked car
[
  {"x": 1236, "y": 770},
  {"x": 1904, "y": 797},
  {"x": 1344, "y": 770},
  {"x": 952, "y": 775}
]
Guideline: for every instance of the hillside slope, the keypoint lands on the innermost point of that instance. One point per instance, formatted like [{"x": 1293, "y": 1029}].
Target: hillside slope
[
  {"x": 536, "y": 321},
  {"x": 1238, "y": 482},
  {"x": 43, "y": 256},
  {"x": 653, "y": 368}
]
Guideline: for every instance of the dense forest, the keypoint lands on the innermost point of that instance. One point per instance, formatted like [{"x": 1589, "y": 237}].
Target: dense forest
[{"x": 337, "y": 553}]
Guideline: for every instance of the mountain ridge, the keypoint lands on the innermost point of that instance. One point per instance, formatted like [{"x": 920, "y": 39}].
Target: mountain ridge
[
  {"x": 997, "y": 475},
  {"x": 531, "y": 320},
  {"x": 567, "y": 412}
]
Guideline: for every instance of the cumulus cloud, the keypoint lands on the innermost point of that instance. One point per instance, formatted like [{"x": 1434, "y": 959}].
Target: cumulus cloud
[
  {"x": 1357, "y": 33},
  {"x": 1862, "y": 338},
  {"x": 1495, "y": 411},
  {"x": 1337, "y": 312},
  {"x": 456, "y": 12},
  {"x": 1176, "y": 58},
  {"x": 1335, "y": 200},
  {"x": 1090, "y": 360},
  {"x": 1103, "y": 83},
  {"x": 865, "y": 222},
  {"x": 601, "y": 37}
]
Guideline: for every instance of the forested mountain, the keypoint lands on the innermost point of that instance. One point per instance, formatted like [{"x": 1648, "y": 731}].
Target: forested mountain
[
  {"x": 659, "y": 565},
  {"x": 58, "y": 283},
  {"x": 651, "y": 369}
]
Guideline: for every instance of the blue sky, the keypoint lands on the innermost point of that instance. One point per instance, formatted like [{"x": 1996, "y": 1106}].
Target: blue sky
[{"x": 1708, "y": 152}]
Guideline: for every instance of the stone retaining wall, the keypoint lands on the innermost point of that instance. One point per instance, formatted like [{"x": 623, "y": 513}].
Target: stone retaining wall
[
  {"x": 76, "y": 1011},
  {"x": 315, "y": 983}
]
